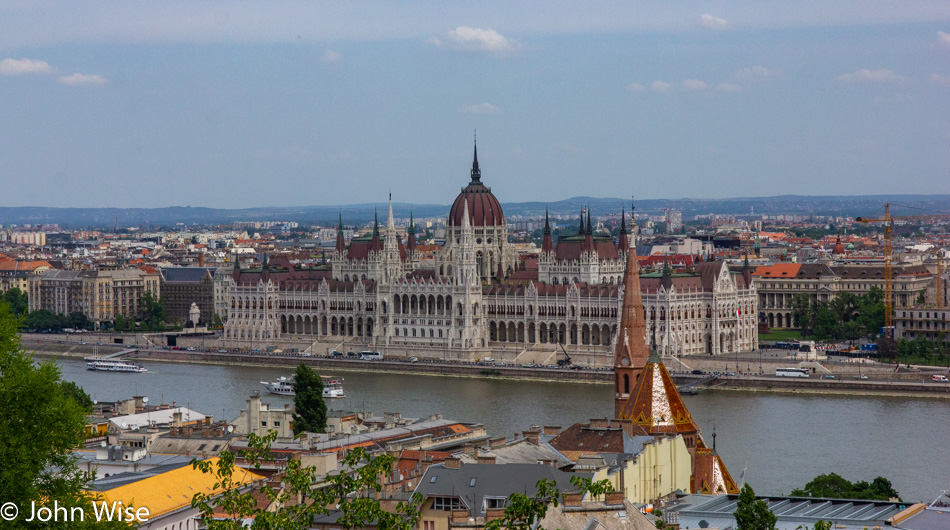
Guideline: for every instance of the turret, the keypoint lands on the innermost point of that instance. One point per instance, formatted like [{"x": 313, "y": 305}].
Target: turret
[
  {"x": 666, "y": 279},
  {"x": 546, "y": 244},
  {"x": 476, "y": 173},
  {"x": 588, "y": 233},
  {"x": 623, "y": 243},
  {"x": 411, "y": 237},
  {"x": 340, "y": 243}
]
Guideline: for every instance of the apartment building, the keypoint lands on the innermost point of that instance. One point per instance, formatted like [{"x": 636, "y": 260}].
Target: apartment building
[{"x": 99, "y": 294}]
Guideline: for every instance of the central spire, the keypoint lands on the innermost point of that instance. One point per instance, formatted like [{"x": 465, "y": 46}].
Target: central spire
[{"x": 476, "y": 173}]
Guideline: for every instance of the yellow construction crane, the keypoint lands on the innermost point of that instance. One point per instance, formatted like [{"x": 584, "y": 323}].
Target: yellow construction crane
[{"x": 888, "y": 265}]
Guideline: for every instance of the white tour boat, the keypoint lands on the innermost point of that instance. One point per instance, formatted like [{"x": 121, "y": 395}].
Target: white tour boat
[
  {"x": 332, "y": 387},
  {"x": 106, "y": 365}
]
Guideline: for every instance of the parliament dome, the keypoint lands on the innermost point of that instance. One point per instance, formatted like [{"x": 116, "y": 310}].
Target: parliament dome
[{"x": 483, "y": 208}]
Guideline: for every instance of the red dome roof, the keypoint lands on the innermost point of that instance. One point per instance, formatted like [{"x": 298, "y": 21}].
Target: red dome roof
[{"x": 483, "y": 208}]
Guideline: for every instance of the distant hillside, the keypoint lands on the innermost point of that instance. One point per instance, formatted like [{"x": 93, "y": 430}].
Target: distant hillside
[{"x": 846, "y": 206}]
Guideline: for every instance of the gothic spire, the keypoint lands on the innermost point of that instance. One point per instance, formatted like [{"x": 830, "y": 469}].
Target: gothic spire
[
  {"x": 375, "y": 224},
  {"x": 476, "y": 173},
  {"x": 411, "y": 238},
  {"x": 340, "y": 243},
  {"x": 590, "y": 231},
  {"x": 390, "y": 223},
  {"x": 580, "y": 229},
  {"x": 630, "y": 351},
  {"x": 622, "y": 242}
]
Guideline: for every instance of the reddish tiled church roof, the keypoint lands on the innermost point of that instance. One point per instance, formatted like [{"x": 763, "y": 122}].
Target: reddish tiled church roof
[
  {"x": 710, "y": 476},
  {"x": 656, "y": 405}
]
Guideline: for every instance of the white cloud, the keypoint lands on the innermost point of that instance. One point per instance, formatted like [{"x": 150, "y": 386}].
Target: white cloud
[
  {"x": 661, "y": 86},
  {"x": 755, "y": 73},
  {"x": 873, "y": 76},
  {"x": 464, "y": 38},
  {"x": 942, "y": 80},
  {"x": 635, "y": 87},
  {"x": 82, "y": 80},
  {"x": 694, "y": 84},
  {"x": 943, "y": 37},
  {"x": 482, "y": 108},
  {"x": 728, "y": 87},
  {"x": 24, "y": 66},
  {"x": 710, "y": 22},
  {"x": 332, "y": 56}
]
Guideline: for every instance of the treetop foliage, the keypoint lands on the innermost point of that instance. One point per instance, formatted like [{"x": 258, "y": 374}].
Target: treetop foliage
[
  {"x": 834, "y": 486},
  {"x": 310, "y": 410},
  {"x": 42, "y": 420}
]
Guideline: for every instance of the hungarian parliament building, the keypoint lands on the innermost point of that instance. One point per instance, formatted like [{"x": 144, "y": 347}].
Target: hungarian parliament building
[{"x": 477, "y": 300}]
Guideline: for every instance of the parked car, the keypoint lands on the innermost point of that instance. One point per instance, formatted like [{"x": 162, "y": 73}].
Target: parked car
[
  {"x": 828, "y": 376},
  {"x": 697, "y": 372}
]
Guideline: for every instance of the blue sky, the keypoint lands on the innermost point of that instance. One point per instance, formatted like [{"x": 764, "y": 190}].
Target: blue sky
[{"x": 239, "y": 104}]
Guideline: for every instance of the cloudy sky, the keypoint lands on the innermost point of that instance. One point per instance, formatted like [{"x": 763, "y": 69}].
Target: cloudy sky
[{"x": 238, "y": 104}]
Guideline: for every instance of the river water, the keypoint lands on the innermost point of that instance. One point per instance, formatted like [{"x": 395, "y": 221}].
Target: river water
[{"x": 780, "y": 441}]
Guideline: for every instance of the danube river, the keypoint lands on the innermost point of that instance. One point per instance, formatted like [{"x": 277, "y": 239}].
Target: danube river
[{"x": 781, "y": 440}]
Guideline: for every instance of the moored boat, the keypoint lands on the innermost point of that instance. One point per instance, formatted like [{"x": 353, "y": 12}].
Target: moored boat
[
  {"x": 107, "y": 365},
  {"x": 284, "y": 386}
]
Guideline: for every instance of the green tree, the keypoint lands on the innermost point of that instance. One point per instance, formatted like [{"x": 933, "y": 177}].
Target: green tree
[
  {"x": 348, "y": 492},
  {"x": 825, "y": 324},
  {"x": 310, "y": 410},
  {"x": 871, "y": 311},
  {"x": 353, "y": 492},
  {"x": 834, "y": 486},
  {"x": 801, "y": 310},
  {"x": 38, "y": 465},
  {"x": 44, "y": 320},
  {"x": 78, "y": 394},
  {"x": 153, "y": 312},
  {"x": 78, "y": 320},
  {"x": 752, "y": 514},
  {"x": 523, "y": 512},
  {"x": 121, "y": 323},
  {"x": 17, "y": 300}
]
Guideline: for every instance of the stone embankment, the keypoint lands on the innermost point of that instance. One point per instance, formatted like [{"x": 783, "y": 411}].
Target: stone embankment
[{"x": 881, "y": 379}]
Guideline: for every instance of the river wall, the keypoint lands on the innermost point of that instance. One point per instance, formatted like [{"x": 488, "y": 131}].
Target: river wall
[{"x": 846, "y": 382}]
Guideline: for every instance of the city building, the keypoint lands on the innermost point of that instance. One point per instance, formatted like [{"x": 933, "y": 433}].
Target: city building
[
  {"x": 475, "y": 298},
  {"x": 16, "y": 273},
  {"x": 183, "y": 286},
  {"x": 777, "y": 285},
  {"x": 99, "y": 294},
  {"x": 926, "y": 323},
  {"x": 644, "y": 468}
]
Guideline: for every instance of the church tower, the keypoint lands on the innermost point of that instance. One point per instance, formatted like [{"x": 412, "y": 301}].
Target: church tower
[{"x": 630, "y": 352}]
